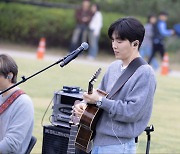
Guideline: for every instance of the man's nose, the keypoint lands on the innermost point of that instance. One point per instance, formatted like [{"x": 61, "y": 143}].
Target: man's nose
[{"x": 114, "y": 45}]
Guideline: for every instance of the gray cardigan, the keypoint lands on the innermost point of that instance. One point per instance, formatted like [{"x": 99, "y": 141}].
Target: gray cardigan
[{"x": 128, "y": 113}]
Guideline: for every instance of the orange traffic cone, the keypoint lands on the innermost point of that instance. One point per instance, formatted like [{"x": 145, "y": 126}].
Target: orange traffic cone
[
  {"x": 165, "y": 65},
  {"x": 41, "y": 48}
]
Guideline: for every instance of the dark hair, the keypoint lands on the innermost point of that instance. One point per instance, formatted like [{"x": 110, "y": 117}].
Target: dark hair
[
  {"x": 163, "y": 13},
  {"x": 86, "y": 1},
  {"x": 8, "y": 65},
  {"x": 127, "y": 28},
  {"x": 97, "y": 6}
]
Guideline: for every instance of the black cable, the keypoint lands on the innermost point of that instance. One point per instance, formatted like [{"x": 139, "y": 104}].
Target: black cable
[{"x": 47, "y": 110}]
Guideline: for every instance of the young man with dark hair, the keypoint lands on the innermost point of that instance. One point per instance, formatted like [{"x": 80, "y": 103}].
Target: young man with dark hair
[
  {"x": 126, "y": 114},
  {"x": 16, "y": 111}
]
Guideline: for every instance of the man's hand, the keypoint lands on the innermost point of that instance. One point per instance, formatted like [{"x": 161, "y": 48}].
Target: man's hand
[
  {"x": 91, "y": 98},
  {"x": 78, "y": 109}
]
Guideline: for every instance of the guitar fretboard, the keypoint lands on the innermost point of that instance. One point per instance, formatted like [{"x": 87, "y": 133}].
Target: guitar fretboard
[{"x": 71, "y": 143}]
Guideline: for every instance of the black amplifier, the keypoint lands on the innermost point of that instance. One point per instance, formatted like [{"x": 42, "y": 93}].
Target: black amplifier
[
  {"x": 62, "y": 105},
  {"x": 55, "y": 140}
]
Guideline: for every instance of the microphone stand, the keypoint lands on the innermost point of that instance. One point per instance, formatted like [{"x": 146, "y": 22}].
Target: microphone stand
[
  {"x": 25, "y": 79},
  {"x": 148, "y": 133}
]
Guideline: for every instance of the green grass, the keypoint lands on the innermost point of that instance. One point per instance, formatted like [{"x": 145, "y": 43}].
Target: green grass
[{"x": 165, "y": 117}]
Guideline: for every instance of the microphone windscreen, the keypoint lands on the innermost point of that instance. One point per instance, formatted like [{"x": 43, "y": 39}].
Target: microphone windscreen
[{"x": 85, "y": 45}]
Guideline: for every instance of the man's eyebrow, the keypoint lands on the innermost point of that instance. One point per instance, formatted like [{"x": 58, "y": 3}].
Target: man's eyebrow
[{"x": 117, "y": 38}]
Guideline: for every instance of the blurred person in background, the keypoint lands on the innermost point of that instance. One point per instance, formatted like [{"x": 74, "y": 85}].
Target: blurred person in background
[
  {"x": 83, "y": 16},
  {"x": 95, "y": 26},
  {"x": 176, "y": 28},
  {"x": 160, "y": 32},
  {"x": 147, "y": 44},
  {"x": 16, "y": 120}
]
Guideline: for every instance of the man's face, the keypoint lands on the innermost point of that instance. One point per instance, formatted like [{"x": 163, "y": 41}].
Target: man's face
[
  {"x": 153, "y": 20},
  {"x": 163, "y": 17},
  {"x": 123, "y": 49},
  {"x": 4, "y": 82},
  {"x": 85, "y": 5}
]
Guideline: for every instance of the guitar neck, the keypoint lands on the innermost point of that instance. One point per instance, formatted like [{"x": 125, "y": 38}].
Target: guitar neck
[
  {"x": 90, "y": 88},
  {"x": 72, "y": 137}
]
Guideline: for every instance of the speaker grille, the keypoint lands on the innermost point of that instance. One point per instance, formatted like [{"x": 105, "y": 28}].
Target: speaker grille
[{"x": 55, "y": 140}]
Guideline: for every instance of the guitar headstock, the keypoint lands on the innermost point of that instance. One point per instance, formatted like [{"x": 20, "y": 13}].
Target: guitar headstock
[{"x": 92, "y": 80}]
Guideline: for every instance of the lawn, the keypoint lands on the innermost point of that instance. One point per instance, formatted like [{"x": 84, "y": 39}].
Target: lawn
[{"x": 41, "y": 88}]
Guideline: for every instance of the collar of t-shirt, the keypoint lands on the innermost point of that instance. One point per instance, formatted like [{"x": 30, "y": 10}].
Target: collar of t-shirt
[{"x": 123, "y": 67}]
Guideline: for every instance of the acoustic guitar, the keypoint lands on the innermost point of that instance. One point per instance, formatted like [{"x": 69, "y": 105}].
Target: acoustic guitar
[
  {"x": 88, "y": 120},
  {"x": 75, "y": 123}
]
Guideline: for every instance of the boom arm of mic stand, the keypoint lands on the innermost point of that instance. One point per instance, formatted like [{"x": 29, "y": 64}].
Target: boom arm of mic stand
[{"x": 25, "y": 79}]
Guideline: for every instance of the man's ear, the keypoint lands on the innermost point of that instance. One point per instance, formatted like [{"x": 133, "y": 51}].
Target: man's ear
[
  {"x": 9, "y": 76},
  {"x": 136, "y": 43}
]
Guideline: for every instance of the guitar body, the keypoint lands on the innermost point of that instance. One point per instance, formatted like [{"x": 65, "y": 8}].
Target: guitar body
[
  {"x": 90, "y": 117},
  {"x": 83, "y": 139}
]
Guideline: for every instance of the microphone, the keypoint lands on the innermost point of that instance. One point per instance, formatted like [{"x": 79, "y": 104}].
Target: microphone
[{"x": 74, "y": 54}]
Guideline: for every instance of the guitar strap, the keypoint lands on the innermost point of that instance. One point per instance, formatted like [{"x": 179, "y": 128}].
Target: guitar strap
[
  {"x": 10, "y": 100},
  {"x": 132, "y": 67}
]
